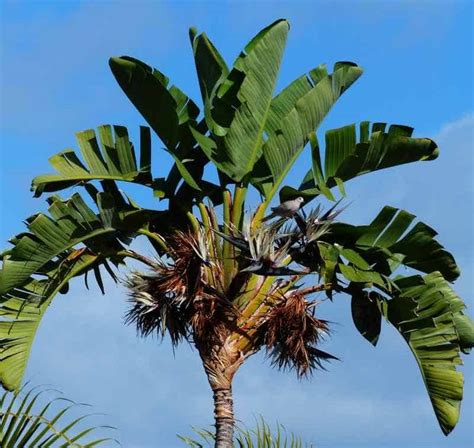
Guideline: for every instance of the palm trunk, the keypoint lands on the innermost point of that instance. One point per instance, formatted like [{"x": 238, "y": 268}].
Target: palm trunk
[
  {"x": 224, "y": 416},
  {"x": 221, "y": 361},
  {"x": 221, "y": 366}
]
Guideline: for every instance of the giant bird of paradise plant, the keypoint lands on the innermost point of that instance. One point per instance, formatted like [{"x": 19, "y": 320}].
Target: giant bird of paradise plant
[{"x": 224, "y": 279}]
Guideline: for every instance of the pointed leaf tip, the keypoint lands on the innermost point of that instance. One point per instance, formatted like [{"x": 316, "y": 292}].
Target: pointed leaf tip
[
  {"x": 115, "y": 61},
  {"x": 121, "y": 68},
  {"x": 192, "y": 33},
  {"x": 282, "y": 20},
  {"x": 435, "y": 153}
]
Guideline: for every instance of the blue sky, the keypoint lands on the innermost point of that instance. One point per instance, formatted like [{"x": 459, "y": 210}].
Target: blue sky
[{"x": 417, "y": 58}]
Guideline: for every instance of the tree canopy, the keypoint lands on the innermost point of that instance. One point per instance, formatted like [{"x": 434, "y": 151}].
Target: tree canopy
[{"x": 251, "y": 137}]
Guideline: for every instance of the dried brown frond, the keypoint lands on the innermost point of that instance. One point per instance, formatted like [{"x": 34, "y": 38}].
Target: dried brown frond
[
  {"x": 186, "y": 267},
  {"x": 204, "y": 309},
  {"x": 181, "y": 245},
  {"x": 209, "y": 316},
  {"x": 291, "y": 333},
  {"x": 177, "y": 297},
  {"x": 157, "y": 305},
  {"x": 186, "y": 261},
  {"x": 160, "y": 300}
]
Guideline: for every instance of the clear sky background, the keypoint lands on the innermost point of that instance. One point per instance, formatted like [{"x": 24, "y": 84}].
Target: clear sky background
[{"x": 417, "y": 57}]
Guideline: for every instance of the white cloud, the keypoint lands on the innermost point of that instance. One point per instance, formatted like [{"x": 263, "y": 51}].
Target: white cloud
[{"x": 463, "y": 124}]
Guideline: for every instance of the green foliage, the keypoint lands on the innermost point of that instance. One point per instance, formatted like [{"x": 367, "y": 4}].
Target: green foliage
[
  {"x": 70, "y": 242},
  {"x": 424, "y": 309},
  {"x": 347, "y": 156},
  {"x": 428, "y": 314},
  {"x": 113, "y": 159},
  {"x": 390, "y": 241},
  {"x": 241, "y": 104},
  {"x": 251, "y": 137},
  {"x": 22, "y": 310},
  {"x": 299, "y": 110},
  {"x": 262, "y": 436},
  {"x": 171, "y": 114},
  {"x": 26, "y": 423},
  {"x": 166, "y": 108}
]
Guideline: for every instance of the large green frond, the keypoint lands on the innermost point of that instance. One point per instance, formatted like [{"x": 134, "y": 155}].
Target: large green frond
[
  {"x": 429, "y": 315},
  {"x": 210, "y": 67},
  {"x": 299, "y": 110},
  {"x": 242, "y": 102},
  {"x": 172, "y": 115},
  {"x": 347, "y": 155},
  {"x": 21, "y": 311},
  {"x": 72, "y": 240},
  {"x": 71, "y": 223},
  {"x": 390, "y": 240},
  {"x": 166, "y": 108},
  {"x": 113, "y": 159}
]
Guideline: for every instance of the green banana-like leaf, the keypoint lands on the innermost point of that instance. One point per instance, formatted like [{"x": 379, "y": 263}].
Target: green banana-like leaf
[
  {"x": 166, "y": 108},
  {"x": 357, "y": 275},
  {"x": 70, "y": 242},
  {"x": 25, "y": 422},
  {"x": 211, "y": 71},
  {"x": 331, "y": 265},
  {"x": 329, "y": 258},
  {"x": 185, "y": 173},
  {"x": 429, "y": 315},
  {"x": 366, "y": 314},
  {"x": 210, "y": 67},
  {"x": 113, "y": 159},
  {"x": 241, "y": 103},
  {"x": 170, "y": 113},
  {"x": 22, "y": 309},
  {"x": 71, "y": 223},
  {"x": 390, "y": 240},
  {"x": 299, "y": 110},
  {"x": 348, "y": 156}
]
